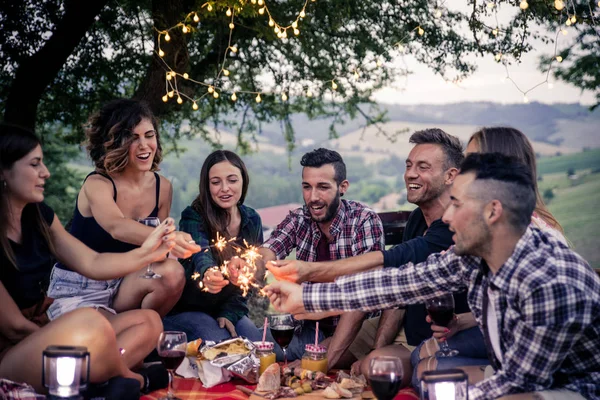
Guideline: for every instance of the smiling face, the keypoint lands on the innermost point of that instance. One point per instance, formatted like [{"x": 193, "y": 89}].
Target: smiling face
[
  {"x": 321, "y": 192},
  {"x": 225, "y": 184},
  {"x": 143, "y": 148},
  {"x": 26, "y": 178},
  {"x": 465, "y": 215},
  {"x": 425, "y": 176}
]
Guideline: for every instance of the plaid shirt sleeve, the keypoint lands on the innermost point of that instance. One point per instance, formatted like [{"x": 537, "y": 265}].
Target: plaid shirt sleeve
[
  {"x": 369, "y": 235},
  {"x": 283, "y": 239},
  {"x": 388, "y": 287},
  {"x": 553, "y": 319}
]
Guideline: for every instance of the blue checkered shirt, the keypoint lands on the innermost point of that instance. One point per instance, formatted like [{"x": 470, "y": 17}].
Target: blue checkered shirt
[{"x": 547, "y": 309}]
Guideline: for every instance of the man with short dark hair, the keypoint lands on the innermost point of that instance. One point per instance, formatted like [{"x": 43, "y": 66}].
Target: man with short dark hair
[
  {"x": 536, "y": 301},
  {"x": 326, "y": 228},
  {"x": 431, "y": 168}
]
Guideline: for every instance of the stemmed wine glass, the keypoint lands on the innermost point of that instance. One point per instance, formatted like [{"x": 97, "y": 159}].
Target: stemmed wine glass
[
  {"x": 441, "y": 311},
  {"x": 150, "y": 221},
  {"x": 385, "y": 376},
  {"x": 282, "y": 329},
  {"x": 171, "y": 350}
]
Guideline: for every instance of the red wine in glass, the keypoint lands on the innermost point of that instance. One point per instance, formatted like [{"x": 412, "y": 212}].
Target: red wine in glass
[
  {"x": 282, "y": 329},
  {"x": 171, "y": 348},
  {"x": 441, "y": 311},
  {"x": 171, "y": 359},
  {"x": 283, "y": 334},
  {"x": 385, "y": 376}
]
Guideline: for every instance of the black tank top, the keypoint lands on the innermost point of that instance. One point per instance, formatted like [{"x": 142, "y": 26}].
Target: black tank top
[{"x": 93, "y": 235}]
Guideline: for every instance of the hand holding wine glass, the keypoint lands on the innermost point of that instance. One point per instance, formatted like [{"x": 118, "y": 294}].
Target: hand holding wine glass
[
  {"x": 282, "y": 329},
  {"x": 171, "y": 350},
  {"x": 385, "y": 376},
  {"x": 150, "y": 221},
  {"x": 441, "y": 312}
]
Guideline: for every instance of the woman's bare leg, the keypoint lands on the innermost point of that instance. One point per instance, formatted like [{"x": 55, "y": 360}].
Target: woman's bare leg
[
  {"x": 82, "y": 327},
  {"x": 159, "y": 295},
  {"x": 395, "y": 350},
  {"x": 137, "y": 332}
]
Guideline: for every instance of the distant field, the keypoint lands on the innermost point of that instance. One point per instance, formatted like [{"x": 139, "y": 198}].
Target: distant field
[
  {"x": 578, "y": 161},
  {"x": 577, "y": 209}
]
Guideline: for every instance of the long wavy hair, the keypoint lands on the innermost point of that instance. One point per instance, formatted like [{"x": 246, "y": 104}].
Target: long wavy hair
[
  {"x": 512, "y": 142},
  {"x": 110, "y": 132},
  {"x": 217, "y": 219},
  {"x": 16, "y": 143}
]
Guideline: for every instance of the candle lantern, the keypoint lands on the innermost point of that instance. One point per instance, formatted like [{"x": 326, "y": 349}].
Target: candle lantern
[
  {"x": 449, "y": 384},
  {"x": 65, "y": 371}
]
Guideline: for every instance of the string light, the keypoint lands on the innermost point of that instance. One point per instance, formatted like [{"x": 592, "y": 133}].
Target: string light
[
  {"x": 209, "y": 7},
  {"x": 196, "y": 18},
  {"x": 186, "y": 76},
  {"x": 184, "y": 29},
  {"x": 524, "y": 5},
  {"x": 559, "y": 59},
  {"x": 233, "y": 49},
  {"x": 309, "y": 93},
  {"x": 233, "y": 97},
  {"x": 421, "y": 31},
  {"x": 334, "y": 85},
  {"x": 228, "y": 12},
  {"x": 165, "y": 98},
  {"x": 179, "y": 100},
  {"x": 216, "y": 94},
  {"x": 226, "y": 72},
  {"x": 167, "y": 37},
  {"x": 195, "y": 106},
  {"x": 171, "y": 94},
  {"x": 161, "y": 53},
  {"x": 284, "y": 96},
  {"x": 559, "y": 5},
  {"x": 258, "y": 98},
  {"x": 210, "y": 89}
]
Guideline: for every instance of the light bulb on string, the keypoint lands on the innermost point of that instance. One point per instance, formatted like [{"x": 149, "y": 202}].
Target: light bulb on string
[
  {"x": 525, "y": 99},
  {"x": 568, "y": 22},
  {"x": 185, "y": 75},
  {"x": 495, "y": 32},
  {"x": 233, "y": 97},
  {"x": 334, "y": 85},
  {"x": 284, "y": 33},
  {"x": 573, "y": 19},
  {"x": 271, "y": 22},
  {"x": 498, "y": 56},
  {"x": 559, "y": 5},
  {"x": 233, "y": 49},
  {"x": 295, "y": 24},
  {"x": 179, "y": 100},
  {"x": 302, "y": 14},
  {"x": 309, "y": 93},
  {"x": 400, "y": 48},
  {"x": 559, "y": 58},
  {"x": 161, "y": 53},
  {"x": 184, "y": 29},
  {"x": 258, "y": 98},
  {"x": 261, "y": 11},
  {"x": 165, "y": 98},
  {"x": 171, "y": 94},
  {"x": 356, "y": 75},
  {"x": 524, "y": 5},
  {"x": 195, "y": 106},
  {"x": 564, "y": 32},
  {"x": 196, "y": 18},
  {"x": 231, "y": 25},
  {"x": 228, "y": 12},
  {"x": 169, "y": 77},
  {"x": 261, "y": 2},
  {"x": 226, "y": 72},
  {"x": 421, "y": 31},
  {"x": 284, "y": 96},
  {"x": 167, "y": 37},
  {"x": 209, "y": 7},
  {"x": 210, "y": 89},
  {"x": 216, "y": 94},
  {"x": 253, "y": 1},
  {"x": 279, "y": 35},
  {"x": 296, "y": 32},
  {"x": 379, "y": 63},
  {"x": 438, "y": 13},
  {"x": 550, "y": 85}
]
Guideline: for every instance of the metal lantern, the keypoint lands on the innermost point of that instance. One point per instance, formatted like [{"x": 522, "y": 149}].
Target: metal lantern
[
  {"x": 449, "y": 384},
  {"x": 65, "y": 371}
]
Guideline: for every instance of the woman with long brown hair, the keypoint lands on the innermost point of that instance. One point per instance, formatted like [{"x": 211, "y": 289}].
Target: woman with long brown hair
[
  {"x": 31, "y": 238},
  {"x": 218, "y": 210}
]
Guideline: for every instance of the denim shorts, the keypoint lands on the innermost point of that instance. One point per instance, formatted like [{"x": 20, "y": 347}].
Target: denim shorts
[{"x": 71, "y": 290}]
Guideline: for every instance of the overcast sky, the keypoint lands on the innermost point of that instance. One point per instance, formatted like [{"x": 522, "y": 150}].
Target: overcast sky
[{"x": 488, "y": 82}]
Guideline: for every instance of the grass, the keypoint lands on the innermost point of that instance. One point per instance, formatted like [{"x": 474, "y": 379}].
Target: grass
[
  {"x": 577, "y": 161},
  {"x": 576, "y": 208}
]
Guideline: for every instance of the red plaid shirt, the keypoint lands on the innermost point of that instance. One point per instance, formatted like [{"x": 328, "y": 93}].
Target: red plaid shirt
[{"x": 355, "y": 229}]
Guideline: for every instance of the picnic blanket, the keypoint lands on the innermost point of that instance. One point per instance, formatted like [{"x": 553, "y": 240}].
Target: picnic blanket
[{"x": 192, "y": 389}]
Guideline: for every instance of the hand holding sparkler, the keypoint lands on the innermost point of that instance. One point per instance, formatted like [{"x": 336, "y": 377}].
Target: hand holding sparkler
[
  {"x": 295, "y": 271},
  {"x": 214, "y": 281},
  {"x": 185, "y": 246}
]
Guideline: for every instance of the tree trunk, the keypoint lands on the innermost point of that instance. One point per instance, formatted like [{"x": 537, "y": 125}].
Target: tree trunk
[{"x": 35, "y": 73}]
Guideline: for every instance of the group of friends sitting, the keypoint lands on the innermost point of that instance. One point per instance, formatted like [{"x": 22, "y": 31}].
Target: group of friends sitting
[{"x": 527, "y": 307}]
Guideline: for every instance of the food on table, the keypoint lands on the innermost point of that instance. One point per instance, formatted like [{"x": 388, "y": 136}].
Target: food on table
[
  {"x": 235, "y": 347},
  {"x": 270, "y": 380},
  {"x": 193, "y": 347},
  {"x": 304, "y": 373},
  {"x": 336, "y": 390}
]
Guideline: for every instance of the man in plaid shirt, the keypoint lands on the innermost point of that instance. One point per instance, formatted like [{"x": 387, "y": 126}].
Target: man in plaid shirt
[
  {"x": 536, "y": 301},
  {"x": 326, "y": 228}
]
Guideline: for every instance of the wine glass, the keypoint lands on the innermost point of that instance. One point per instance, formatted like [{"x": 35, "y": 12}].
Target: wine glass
[
  {"x": 441, "y": 311},
  {"x": 385, "y": 376},
  {"x": 171, "y": 350},
  {"x": 150, "y": 221},
  {"x": 282, "y": 329}
]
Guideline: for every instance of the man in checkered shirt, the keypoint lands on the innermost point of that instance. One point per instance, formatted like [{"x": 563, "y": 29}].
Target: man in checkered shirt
[
  {"x": 326, "y": 228},
  {"x": 536, "y": 301}
]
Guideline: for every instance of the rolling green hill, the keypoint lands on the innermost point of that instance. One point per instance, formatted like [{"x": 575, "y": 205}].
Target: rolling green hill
[{"x": 577, "y": 161}]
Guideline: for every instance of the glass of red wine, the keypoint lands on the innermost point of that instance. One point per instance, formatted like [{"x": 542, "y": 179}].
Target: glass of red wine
[
  {"x": 154, "y": 222},
  {"x": 171, "y": 350},
  {"x": 282, "y": 329},
  {"x": 385, "y": 376},
  {"x": 441, "y": 312}
]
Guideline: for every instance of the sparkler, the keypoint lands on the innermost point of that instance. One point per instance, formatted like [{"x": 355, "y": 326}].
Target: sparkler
[{"x": 246, "y": 274}]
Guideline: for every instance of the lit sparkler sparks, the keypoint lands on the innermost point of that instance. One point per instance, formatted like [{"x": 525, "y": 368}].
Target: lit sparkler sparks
[{"x": 246, "y": 274}]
